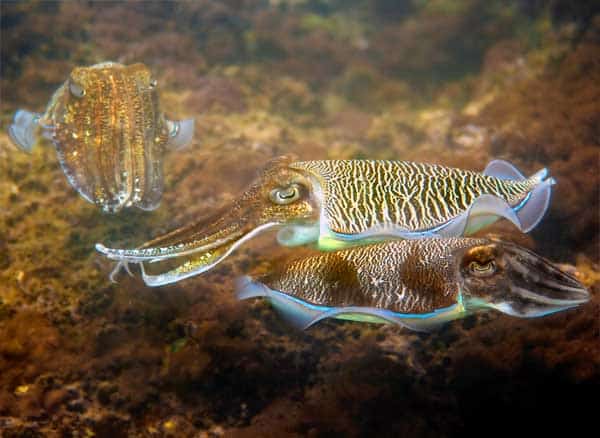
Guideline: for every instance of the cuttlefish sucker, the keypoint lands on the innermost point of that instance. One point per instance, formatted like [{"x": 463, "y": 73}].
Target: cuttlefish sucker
[
  {"x": 417, "y": 283},
  {"x": 338, "y": 203},
  {"x": 109, "y": 133}
]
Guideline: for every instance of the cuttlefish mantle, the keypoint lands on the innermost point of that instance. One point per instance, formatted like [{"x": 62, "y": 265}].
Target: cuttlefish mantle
[{"x": 340, "y": 203}]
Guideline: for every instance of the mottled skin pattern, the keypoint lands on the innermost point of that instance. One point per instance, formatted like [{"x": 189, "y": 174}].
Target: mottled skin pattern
[
  {"x": 405, "y": 276},
  {"x": 110, "y": 135},
  {"x": 417, "y": 277},
  {"x": 361, "y": 194}
]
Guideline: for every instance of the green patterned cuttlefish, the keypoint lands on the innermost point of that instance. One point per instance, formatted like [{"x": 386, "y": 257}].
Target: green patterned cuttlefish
[
  {"x": 418, "y": 284},
  {"x": 339, "y": 203}
]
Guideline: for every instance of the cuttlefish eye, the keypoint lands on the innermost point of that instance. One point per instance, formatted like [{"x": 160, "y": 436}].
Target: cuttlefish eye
[
  {"x": 153, "y": 83},
  {"x": 481, "y": 261},
  {"x": 285, "y": 195},
  {"x": 173, "y": 128},
  {"x": 76, "y": 89},
  {"x": 482, "y": 269}
]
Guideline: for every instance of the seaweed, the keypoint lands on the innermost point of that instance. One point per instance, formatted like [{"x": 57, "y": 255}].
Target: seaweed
[{"x": 451, "y": 82}]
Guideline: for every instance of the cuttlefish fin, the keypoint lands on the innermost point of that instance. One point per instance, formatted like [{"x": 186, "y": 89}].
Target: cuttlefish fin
[
  {"x": 23, "y": 130},
  {"x": 295, "y": 311},
  {"x": 378, "y": 232},
  {"x": 375, "y": 315},
  {"x": 332, "y": 242},
  {"x": 485, "y": 210},
  {"x": 181, "y": 133},
  {"x": 303, "y": 315},
  {"x": 531, "y": 211},
  {"x": 503, "y": 170},
  {"x": 354, "y": 313},
  {"x": 246, "y": 287}
]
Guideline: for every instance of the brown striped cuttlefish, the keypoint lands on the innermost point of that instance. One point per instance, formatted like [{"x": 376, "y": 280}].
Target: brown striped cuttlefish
[
  {"x": 418, "y": 284},
  {"x": 339, "y": 203},
  {"x": 110, "y": 134}
]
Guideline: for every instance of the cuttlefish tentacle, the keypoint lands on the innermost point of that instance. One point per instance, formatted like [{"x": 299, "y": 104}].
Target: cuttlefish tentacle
[
  {"x": 419, "y": 284},
  {"x": 197, "y": 264},
  {"x": 199, "y": 247},
  {"x": 121, "y": 265}
]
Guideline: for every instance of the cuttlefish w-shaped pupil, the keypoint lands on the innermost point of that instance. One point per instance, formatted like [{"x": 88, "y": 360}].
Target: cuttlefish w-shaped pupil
[
  {"x": 483, "y": 269},
  {"x": 285, "y": 195},
  {"x": 76, "y": 89},
  {"x": 481, "y": 261}
]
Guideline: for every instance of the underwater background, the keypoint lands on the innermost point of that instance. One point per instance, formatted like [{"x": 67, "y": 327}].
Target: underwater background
[{"x": 454, "y": 82}]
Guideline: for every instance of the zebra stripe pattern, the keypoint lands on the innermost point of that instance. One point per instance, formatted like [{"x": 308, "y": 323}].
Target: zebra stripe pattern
[{"x": 359, "y": 195}]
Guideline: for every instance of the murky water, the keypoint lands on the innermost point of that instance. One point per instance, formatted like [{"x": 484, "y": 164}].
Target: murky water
[{"x": 457, "y": 83}]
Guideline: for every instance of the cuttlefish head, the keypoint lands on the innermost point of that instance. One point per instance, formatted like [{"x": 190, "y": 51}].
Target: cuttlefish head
[
  {"x": 509, "y": 278},
  {"x": 279, "y": 196}
]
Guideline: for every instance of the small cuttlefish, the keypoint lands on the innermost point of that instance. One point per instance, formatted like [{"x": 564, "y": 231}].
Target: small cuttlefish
[
  {"x": 418, "y": 284},
  {"x": 110, "y": 134},
  {"x": 340, "y": 203}
]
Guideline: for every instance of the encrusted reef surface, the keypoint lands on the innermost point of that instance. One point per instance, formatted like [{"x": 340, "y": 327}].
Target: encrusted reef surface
[{"x": 452, "y": 82}]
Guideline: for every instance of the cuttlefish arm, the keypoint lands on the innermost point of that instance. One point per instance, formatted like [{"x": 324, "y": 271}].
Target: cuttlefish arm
[
  {"x": 197, "y": 247},
  {"x": 199, "y": 236},
  {"x": 202, "y": 261}
]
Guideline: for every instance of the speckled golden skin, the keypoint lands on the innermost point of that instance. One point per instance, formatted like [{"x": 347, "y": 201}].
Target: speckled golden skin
[{"x": 110, "y": 135}]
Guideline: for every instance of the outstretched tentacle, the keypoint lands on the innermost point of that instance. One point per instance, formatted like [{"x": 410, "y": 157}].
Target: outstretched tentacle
[
  {"x": 121, "y": 264},
  {"x": 198, "y": 263}
]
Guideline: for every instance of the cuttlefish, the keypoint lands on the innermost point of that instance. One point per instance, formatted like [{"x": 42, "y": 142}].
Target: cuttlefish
[
  {"x": 109, "y": 133},
  {"x": 340, "y": 203},
  {"x": 418, "y": 284}
]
